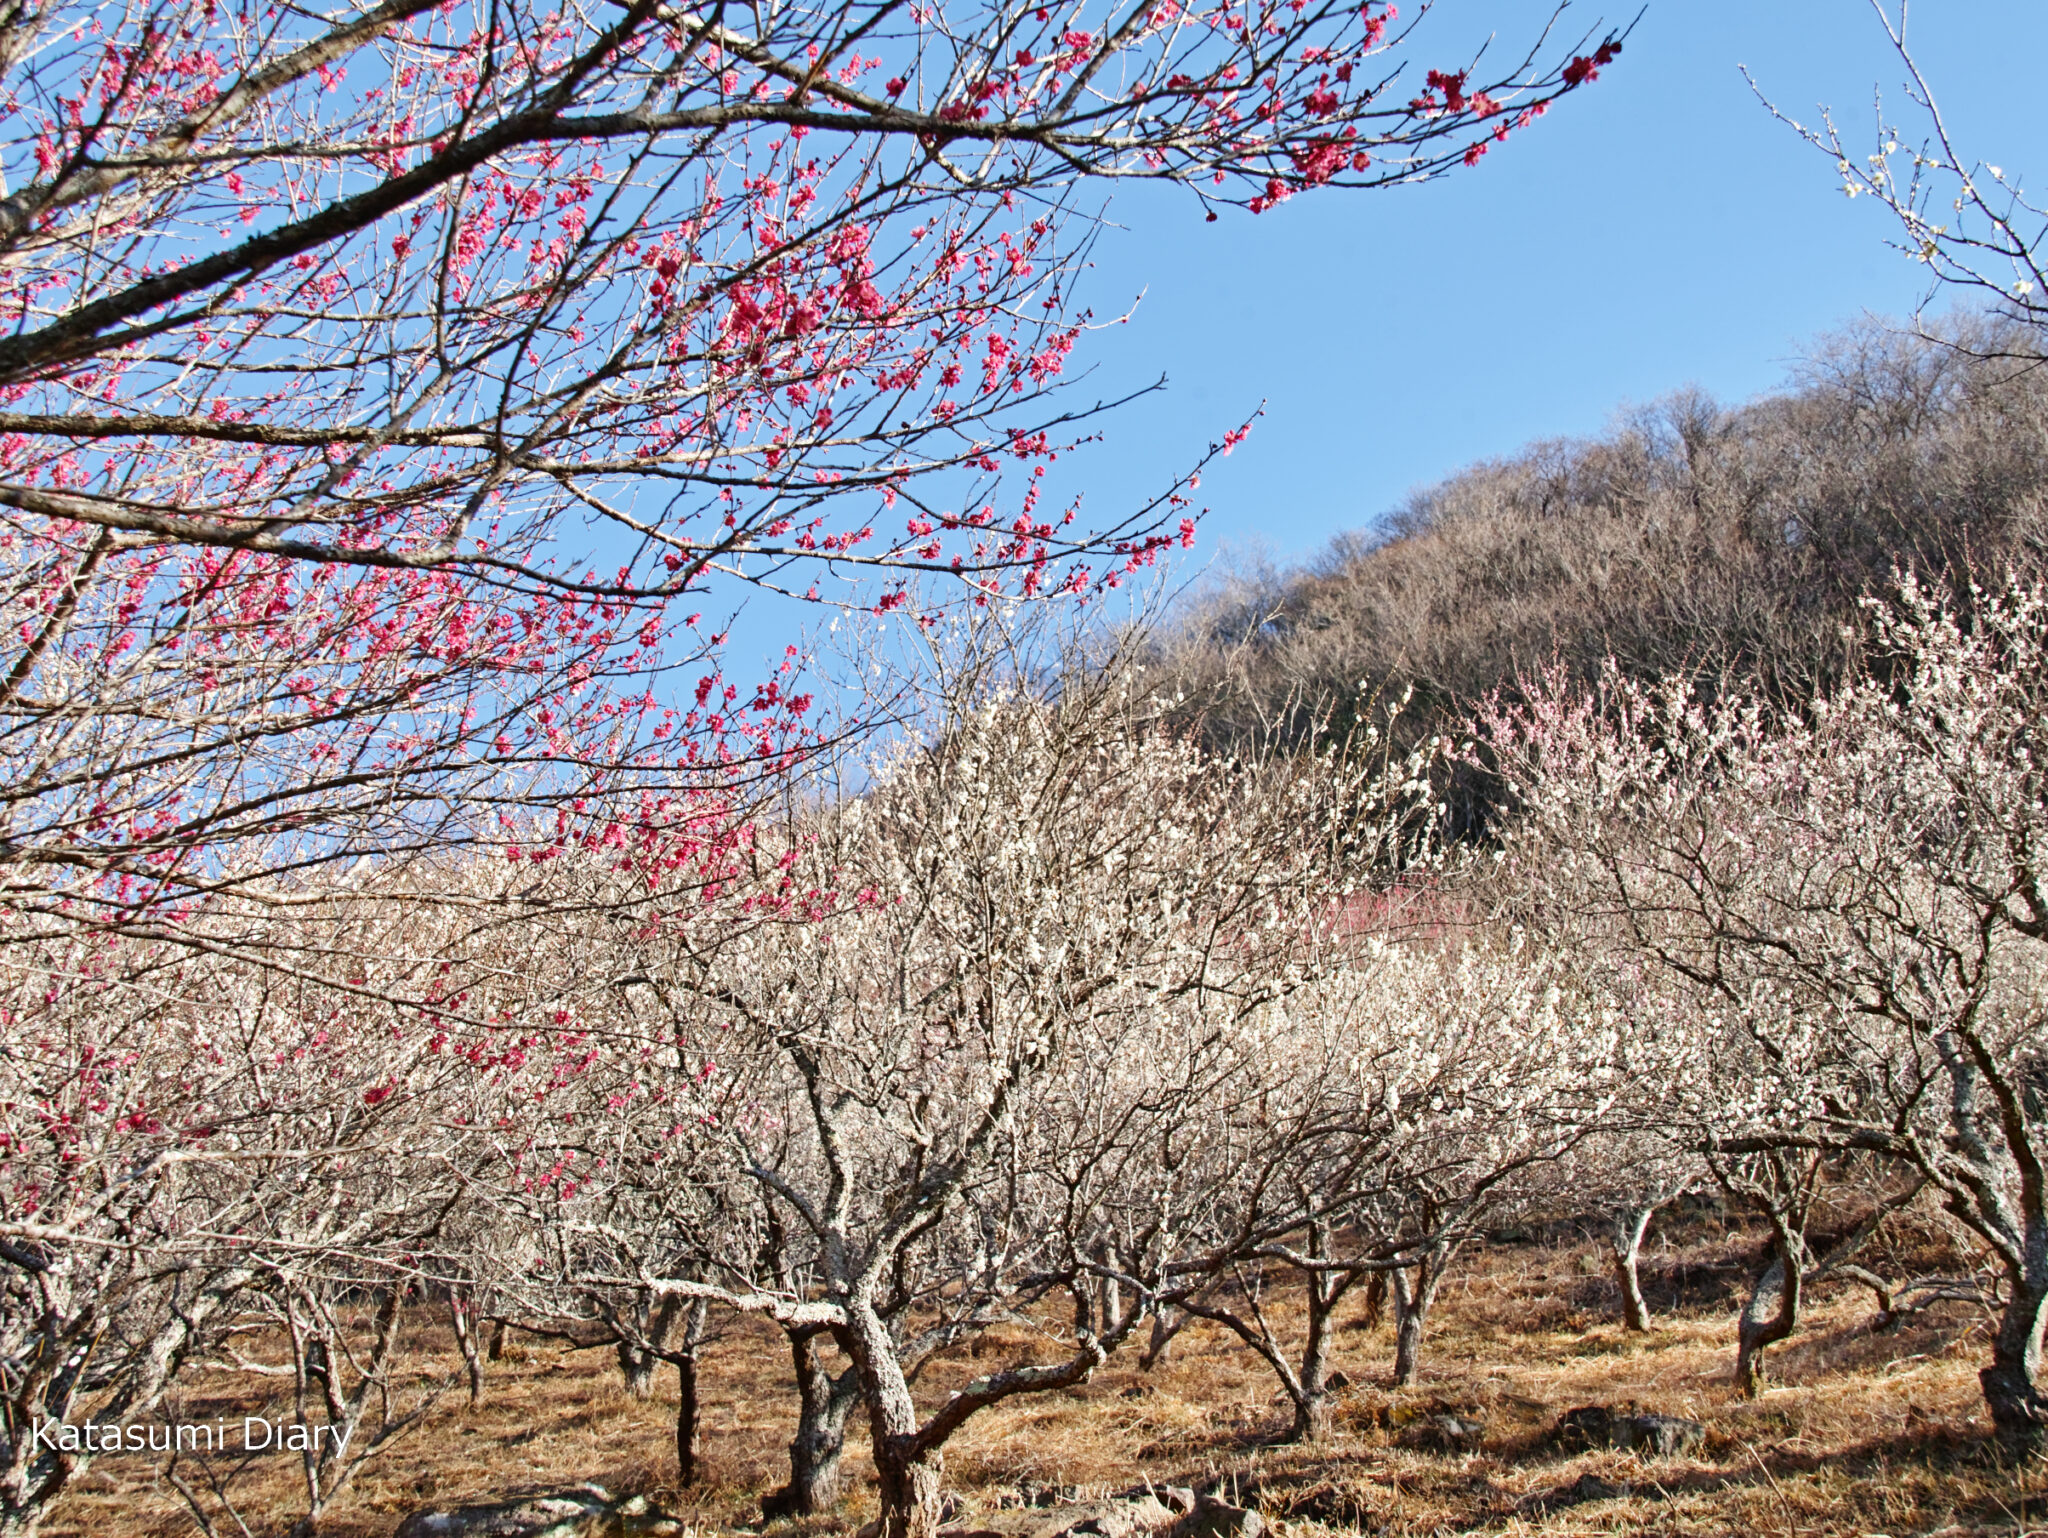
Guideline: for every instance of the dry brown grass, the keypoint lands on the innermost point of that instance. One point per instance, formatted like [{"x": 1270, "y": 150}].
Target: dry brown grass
[{"x": 1863, "y": 1432}]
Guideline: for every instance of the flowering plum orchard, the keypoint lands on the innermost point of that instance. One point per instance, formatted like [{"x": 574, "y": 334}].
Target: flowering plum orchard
[
  {"x": 188, "y": 1141},
  {"x": 385, "y": 396},
  {"x": 992, "y": 990},
  {"x": 1416, "y": 1096},
  {"x": 1853, "y": 901}
]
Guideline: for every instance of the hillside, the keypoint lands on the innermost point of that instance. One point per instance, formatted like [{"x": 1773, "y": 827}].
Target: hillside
[{"x": 1734, "y": 541}]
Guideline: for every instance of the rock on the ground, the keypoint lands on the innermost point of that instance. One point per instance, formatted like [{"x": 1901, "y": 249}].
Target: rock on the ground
[
  {"x": 1080, "y": 1519},
  {"x": 1212, "y": 1518},
  {"x": 1648, "y": 1435},
  {"x": 1665, "y": 1436},
  {"x": 1032, "y": 1492},
  {"x": 1449, "y": 1433},
  {"x": 580, "y": 1511},
  {"x": 1117, "y": 1519}
]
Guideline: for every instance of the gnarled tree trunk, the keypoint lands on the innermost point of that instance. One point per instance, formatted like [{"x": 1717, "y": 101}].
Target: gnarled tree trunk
[
  {"x": 1313, "y": 1400},
  {"x": 687, "y": 1419},
  {"x": 824, "y": 1401},
  {"x": 1160, "y": 1346},
  {"x": 908, "y": 1469},
  {"x": 684, "y": 1354},
  {"x": 462, "y": 1319},
  {"x": 637, "y": 1365},
  {"x": 643, "y": 1343},
  {"x": 1771, "y": 1314},
  {"x": 1414, "y": 1296},
  {"x": 910, "y": 1489},
  {"x": 2011, "y": 1383}
]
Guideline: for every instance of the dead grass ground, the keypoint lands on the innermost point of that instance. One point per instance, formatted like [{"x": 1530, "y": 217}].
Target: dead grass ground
[{"x": 1863, "y": 1432}]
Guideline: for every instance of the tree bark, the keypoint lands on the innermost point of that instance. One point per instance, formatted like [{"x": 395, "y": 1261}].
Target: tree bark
[
  {"x": 1413, "y": 1298},
  {"x": 907, "y": 1469},
  {"x": 462, "y": 1317},
  {"x": 824, "y": 1402},
  {"x": 1313, "y": 1401},
  {"x": 687, "y": 1418},
  {"x": 2011, "y": 1383},
  {"x": 1630, "y": 1224},
  {"x": 910, "y": 1491},
  {"x": 2013, "y": 1220},
  {"x": 684, "y": 1354},
  {"x": 1311, "y": 1419},
  {"x": 641, "y": 1356},
  {"x": 31, "y": 1482},
  {"x": 1160, "y": 1346},
  {"x": 1771, "y": 1314},
  {"x": 1408, "y": 1327},
  {"x": 638, "y": 1365},
  {"x": 1375, "y": 1313}
]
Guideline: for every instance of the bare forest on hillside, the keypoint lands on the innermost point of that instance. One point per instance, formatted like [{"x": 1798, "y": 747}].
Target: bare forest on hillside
[{"x": 1730, "y": 543}]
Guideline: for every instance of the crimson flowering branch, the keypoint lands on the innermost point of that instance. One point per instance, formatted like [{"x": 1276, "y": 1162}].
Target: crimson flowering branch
[{"x": 532, "y": 268}]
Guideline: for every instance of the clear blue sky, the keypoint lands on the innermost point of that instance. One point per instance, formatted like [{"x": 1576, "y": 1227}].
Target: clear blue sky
[{"x": 1658, "y": 230}]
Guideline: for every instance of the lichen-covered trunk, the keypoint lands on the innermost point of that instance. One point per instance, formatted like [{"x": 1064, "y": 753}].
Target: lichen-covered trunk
[
  {"x": 824, "y": 1402},
  {"x": 1629, "y": 1227},
  {"x": 1311, "y": 1419},
  {"x": 33, "y": 1476},
  {"x": 684, "y": 1354},
  {"x": 1408, "y": 1328},
  {"x": 2011, "y": 1382},
  {"x": 1771, "y": 1315},
  {"x": 2011, "y": 1214},
  {"x": 462, "y": 1318},
  {"x": 1313, "y": 1401},
  {"x": 910, "y": 1487},
  {"x": 908, "y": 1473},
  {"x": 647, "y": 1345},
  {"x": 1413, "y": 1298},
  {"x": 1160, "y": 1346},
  {"x": 637, "y": 1366}
]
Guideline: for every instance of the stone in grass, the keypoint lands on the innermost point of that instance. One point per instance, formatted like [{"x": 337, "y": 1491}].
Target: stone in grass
[
  {"x": 1117, "y": 1519},
  {"x": 1212, "y": 1518},
  {"x": 1646, "y": 1435},
  {"x": 1178, "y": 1500},
  {"x": 1032, "y": 1492},
  {"x": 1449, "y": 1433},
  {"x": 1665, "y": 1436},
  {"x": 1090, "y": 1519},
  {"x": 580, "y": 1511}
]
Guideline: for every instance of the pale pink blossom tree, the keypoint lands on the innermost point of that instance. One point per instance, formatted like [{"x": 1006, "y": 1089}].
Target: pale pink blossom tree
[{"x": 1853, "y": 897}]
